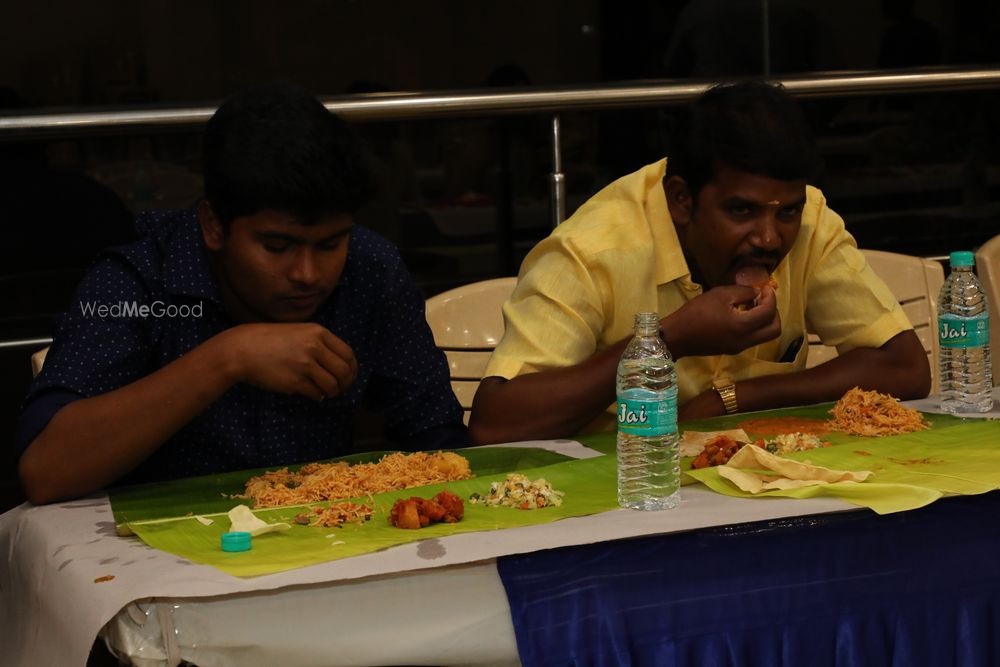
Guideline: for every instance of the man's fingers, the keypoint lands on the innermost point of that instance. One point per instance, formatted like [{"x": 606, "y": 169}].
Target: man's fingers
[
  {"x": 762, "y": 322},
  {"x": 767, "y": 296},
  {"x": 310, "y": 389},
  {"x": 340, "y": 349},
  {"x": 304, "y": 359},
  {"x": 327, "y": 384},
  {"x": 344, "y": 370}
]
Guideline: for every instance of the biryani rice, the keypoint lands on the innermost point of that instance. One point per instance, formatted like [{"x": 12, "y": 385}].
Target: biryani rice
[
  {"x": 873, "y": 414},
  {"x": 315, "y": 482}
]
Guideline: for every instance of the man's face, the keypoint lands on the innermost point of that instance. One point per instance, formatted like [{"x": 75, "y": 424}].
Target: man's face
[
  {"x": 740, "y": 226},
  {"x": 271, "y": 268}
]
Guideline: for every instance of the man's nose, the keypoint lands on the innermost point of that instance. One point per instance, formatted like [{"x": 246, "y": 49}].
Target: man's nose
[
  {"x": 303, "y": 270},
  {"x": 765, "y": 233}
]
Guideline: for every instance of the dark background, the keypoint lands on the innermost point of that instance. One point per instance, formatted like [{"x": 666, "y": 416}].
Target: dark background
[{"x": 466, "y": 198}]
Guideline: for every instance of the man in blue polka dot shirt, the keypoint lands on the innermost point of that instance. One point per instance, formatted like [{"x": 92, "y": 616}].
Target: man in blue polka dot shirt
[{"x": 245, "y": 333}]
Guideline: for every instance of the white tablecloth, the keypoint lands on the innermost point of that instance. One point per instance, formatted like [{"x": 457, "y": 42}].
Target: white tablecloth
[{"x": 430, "y": 602}]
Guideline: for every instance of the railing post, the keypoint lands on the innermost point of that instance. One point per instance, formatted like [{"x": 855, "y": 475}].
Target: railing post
[{"x": 557, "y": 181}]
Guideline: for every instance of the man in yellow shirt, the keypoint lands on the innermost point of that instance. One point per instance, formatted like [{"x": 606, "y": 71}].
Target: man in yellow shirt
[{"x": 700, "y": 238}]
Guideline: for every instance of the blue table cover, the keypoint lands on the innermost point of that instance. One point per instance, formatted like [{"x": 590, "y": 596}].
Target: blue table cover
[{"x": 908, "y": 589}]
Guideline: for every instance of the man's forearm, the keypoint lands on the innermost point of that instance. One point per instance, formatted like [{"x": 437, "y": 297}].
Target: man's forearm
[
  {"x": 898, "y": 368},
  {"x": 549, "y": 404},
  {"x": 92, "y": 442}
]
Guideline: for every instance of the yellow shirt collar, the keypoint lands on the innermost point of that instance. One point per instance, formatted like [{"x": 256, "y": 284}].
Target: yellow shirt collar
[{"x": 670, "y": 262}]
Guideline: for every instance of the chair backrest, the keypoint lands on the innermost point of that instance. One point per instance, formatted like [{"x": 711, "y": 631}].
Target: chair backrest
[
  {"x": 988, "y": 270},
  {"x": 915, "y": 282},
  {"x": 38, "y": 360},
  {"x": 467, "y": 324}
]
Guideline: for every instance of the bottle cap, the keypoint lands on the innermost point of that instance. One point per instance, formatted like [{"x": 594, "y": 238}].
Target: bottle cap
[
  {"x": 647, "y": 323},
  {"x": 237, "y": 541},
  {"x": 962, "y": 258}
]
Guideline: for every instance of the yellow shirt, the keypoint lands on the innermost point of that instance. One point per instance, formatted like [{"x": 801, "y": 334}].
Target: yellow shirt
[{"x": 580, "y": 288}]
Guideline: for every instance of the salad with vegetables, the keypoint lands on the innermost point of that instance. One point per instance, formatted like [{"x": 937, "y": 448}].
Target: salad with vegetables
[
  {"x": 786, "y": 443},
  {"x": 520, "y": 492}
]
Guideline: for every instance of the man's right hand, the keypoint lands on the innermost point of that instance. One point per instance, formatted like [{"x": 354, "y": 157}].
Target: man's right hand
[
  {"x": 304, "y": 359},
  {"x": 120, "y": 429},
  {"x": 724, "y": 320}
]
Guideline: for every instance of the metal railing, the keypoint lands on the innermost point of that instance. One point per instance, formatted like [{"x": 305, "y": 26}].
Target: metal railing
[
  {"x": 412, "y": 106},
  {"x": 416, "y": 106},
  {"x": 37, "y": 343}
]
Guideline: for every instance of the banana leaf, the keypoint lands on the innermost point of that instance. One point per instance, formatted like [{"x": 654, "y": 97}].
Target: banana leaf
[
  {"x": 589, "y": 487},
  {"x": 211, "y": 493},
  {"x": 954, "y": 457}
]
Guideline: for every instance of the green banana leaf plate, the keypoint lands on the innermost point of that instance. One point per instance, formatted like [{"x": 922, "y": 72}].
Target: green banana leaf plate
[{"x": 955, "y": 456}]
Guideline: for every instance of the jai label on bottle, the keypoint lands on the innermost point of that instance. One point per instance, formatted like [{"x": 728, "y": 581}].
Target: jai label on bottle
[
  {"x": 638, "y": 416},
  {"x": 962, "y": 332}
]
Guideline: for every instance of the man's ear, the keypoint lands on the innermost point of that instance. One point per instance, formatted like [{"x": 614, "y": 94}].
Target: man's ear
[
  {"x": 212, "y": 230},
  {"x": 679, "y": 200}
]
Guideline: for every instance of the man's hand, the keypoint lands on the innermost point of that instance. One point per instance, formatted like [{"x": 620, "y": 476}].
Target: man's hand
[
  {"x": 304, "y": 359},
  {"x": 724, "y": 320},
  {"x": 120, "y": 429}
]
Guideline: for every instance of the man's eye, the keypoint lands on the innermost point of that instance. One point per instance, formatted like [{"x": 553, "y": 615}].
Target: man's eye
[
  {"x": 739, "y": 211},
  {"x": 790, "y": 213},
  {"x": 276, "y": 247},
  {"x": 333, "y": 244}
]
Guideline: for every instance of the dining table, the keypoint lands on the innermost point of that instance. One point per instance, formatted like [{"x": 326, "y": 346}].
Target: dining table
[{"x": 722, "y": 579}]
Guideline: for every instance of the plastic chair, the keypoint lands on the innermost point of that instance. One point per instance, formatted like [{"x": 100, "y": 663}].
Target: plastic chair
[
  {"x": 38, "y": 360},
  {"x": 916, "y": 282},
  {"x": 467, "y": 324},
  {"x": 988, "y": 270}
]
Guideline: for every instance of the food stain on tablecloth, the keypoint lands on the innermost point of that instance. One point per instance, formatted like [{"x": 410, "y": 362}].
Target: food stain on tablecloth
[{"x": 431, "y": 549}]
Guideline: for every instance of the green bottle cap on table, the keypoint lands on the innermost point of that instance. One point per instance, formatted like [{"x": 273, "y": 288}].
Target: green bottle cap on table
[{"x": 236, "y": 541}]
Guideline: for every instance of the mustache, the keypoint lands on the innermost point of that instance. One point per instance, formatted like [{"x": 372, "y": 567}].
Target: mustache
[{"x": 758, "y": 256}]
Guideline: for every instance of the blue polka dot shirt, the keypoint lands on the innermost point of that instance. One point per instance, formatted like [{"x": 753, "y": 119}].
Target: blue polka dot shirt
[{"x": 376, "y": 309}]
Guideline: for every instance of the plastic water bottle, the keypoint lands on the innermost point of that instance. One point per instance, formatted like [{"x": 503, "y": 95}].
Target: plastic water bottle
[
  {"x": 648, "y": 462},
  {"x": 964, "y": 336}
]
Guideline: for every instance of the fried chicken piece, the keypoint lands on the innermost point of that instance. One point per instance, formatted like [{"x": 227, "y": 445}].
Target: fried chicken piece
[
  {"x": 404, "y": 514},
  {"x": 431, "y": 509},
  {"x": 416, "y": 512},
  {"x": 453, "y": 504},
  {"x": 717, "y": 452}
]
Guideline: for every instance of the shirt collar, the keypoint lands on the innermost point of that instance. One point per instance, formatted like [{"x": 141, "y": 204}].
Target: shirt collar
[
  {"x": 670, "y": 262},
  {"x": 187, "y": 269}
]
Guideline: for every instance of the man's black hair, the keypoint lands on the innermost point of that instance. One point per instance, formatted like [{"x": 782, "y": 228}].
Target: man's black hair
[
  {"x": 754, "y": 126},
  {"x": 276, "y": 147}
]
